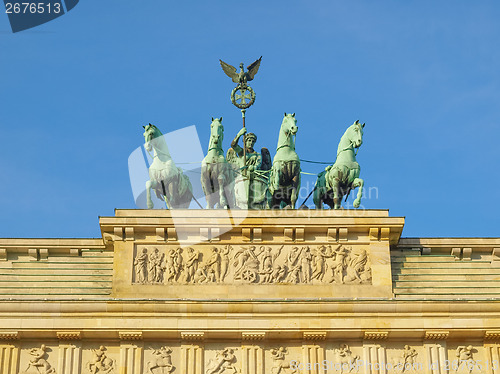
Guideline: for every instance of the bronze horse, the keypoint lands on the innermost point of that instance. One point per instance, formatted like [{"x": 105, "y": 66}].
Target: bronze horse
[{"x": 284, "y": 181}]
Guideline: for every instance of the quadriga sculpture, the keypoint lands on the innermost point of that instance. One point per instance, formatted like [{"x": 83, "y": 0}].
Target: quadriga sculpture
[
  {"x": 284, "y": 181},
  {"x": 168, "y": 181},
  {"x": 340, "y": 178},
  {"x": 217, "y": 177}
]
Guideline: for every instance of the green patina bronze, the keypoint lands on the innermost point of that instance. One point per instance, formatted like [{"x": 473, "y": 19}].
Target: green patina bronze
[
  {"x": 251, "y": 171},
  {"x": 245, "y": 178},
  {"x": 167, "y": 180},
  {"x": 340, "y": 178},
  {"x": 242, "y": 96},
  {"x": 284, "y": 181},
  {"x": 217, "y": 176}
]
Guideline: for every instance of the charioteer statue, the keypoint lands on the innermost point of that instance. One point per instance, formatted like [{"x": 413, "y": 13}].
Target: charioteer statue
[{"x": 251, "y": 168}]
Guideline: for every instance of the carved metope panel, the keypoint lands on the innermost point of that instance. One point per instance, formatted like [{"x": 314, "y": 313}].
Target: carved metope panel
[
  {"x": 342, "y": 359},
  {"x": 406, "y": 360},
  {"x": 160, "y": 361},
  {"x": 284, "y": 360},
  {"x": 286, "y": 264},
  {"x": 9, "y": 359},
  {"x": 466, "y": 359},
  {"x": 38, "y": 360},
  {"x": 99, "y": 361},
  {"x": 223, "y": 361}
]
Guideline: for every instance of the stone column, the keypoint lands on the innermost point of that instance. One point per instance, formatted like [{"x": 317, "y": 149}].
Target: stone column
[
  {"x": 313, "y": 352},
  {"x": 192, "y": 353},
  {"x": 252, "y": 355},
  {"x": 70, "y": 353},
  {"x": 131, "y": 353},
  {"x": 9, "y": 356},
  {"x": 435, "y": 352}
]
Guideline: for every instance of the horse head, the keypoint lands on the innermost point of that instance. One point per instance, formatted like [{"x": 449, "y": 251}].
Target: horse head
[
  {"x": 289, "y": 124},
  {"x": 355, "y": 134},
  {"x": 216, "y": 133},
  {"x": 151, "y": 132}
]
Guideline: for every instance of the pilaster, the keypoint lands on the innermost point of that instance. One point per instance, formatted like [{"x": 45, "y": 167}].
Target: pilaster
[
  {"x": 9, "y": 358},
  {"x": 313, "y": 353},
  {"x": 131, "y": 354}
]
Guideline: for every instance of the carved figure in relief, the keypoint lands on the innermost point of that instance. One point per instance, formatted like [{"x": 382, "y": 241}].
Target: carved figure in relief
[
  {"x": 339, "y": 264},
  {"x": 224, "y": 262},
  {"x": 156, "y": 266},
  {"x": 100, "y": 364},
  {"x": 38, "y": 363},
  {"x": 163, "y": 360},
  {"x": 174, "y": 264},
  {"x": 224, "y": 362},
  {"x": 213, "y": 265},
  {"x": 409, "y": 355},
  {"x": 305, "y": 264},
  {"x": 246, "y": 264},
  {"x": 280, "y": 364},
  {"x": 466, "y": 362},
  {"x": 267, "y": 260},
  {"x": 211, "y": 275},
  {"x": 320, "y": 255},
  {"x": 293, "y": 265},
  {"x": 200, "y": 276},
  {"x": 346, "y": 359},
  {"x": 141, "y": 266},
  {"x": 356, "y": 267},
  {"x": 191, "y": 264},
  {"x": 279, "y": 273}
]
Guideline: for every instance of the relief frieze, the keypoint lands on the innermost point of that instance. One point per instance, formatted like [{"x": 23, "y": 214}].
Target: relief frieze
[
  {"x": 100, "y": 362},
  {"x": 250, "y": 264},
  {"x": 38, "y": 363}
]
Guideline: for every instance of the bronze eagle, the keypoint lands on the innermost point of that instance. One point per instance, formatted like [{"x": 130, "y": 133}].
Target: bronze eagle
[{"x": 242, "y": 77}]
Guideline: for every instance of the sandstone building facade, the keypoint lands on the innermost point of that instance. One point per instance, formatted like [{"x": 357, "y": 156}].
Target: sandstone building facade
[{"x": 251, "y": 292}]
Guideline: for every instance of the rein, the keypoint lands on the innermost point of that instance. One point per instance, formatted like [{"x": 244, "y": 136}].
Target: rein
[
  {"x": 287, "y": 139},
  {"x": 216, "y": 148},
  {"x": 347, "y": 149}
]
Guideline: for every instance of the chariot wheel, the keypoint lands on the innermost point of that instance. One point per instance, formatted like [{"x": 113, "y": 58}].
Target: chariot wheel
[{"x": 249, "y": 276}]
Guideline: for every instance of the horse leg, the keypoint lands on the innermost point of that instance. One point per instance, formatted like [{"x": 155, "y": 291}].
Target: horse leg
[
  {"x": 151, "y": 367},
  {"x": 295, "y": 171},
  {"x": 206, "y": 184},
  {"x": 221, "y": 178},
  {"x": 171, "y": 195},
  {"x": 293, "y": 197},
  {"x": 337, "y": 197},
  {"x": 358, "y": 182},
  {"x": 149, "y": 185},
  {"x": 229, "y": 187}
]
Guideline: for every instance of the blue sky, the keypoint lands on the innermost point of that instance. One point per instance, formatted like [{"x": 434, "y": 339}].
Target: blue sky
[{"x": 423, "y": 75}]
